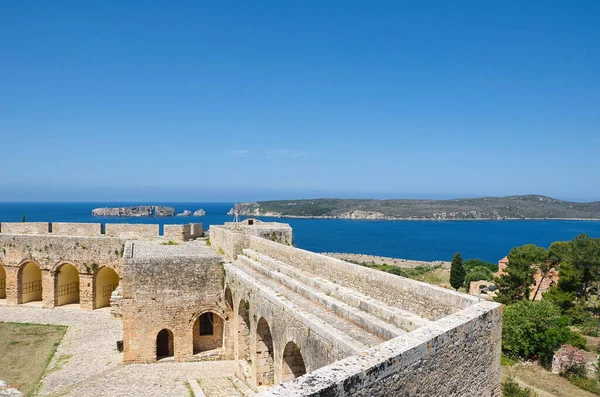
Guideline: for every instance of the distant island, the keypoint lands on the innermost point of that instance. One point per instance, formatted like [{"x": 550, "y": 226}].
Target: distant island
[
  {"x": 484, "y": 208},
  {"x": 143, "y": 211}
]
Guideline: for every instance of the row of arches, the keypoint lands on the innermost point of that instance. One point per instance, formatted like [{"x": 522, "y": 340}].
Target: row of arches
[
  {"x": 67, "y": 284},
  {"x": 292, "y": 365}
]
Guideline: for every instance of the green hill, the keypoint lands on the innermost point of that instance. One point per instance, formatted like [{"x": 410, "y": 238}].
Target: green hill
[{"x": 510, "y": 207}]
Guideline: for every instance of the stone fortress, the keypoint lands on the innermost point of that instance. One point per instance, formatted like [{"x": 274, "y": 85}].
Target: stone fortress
[{"x": 295, "y": 323}]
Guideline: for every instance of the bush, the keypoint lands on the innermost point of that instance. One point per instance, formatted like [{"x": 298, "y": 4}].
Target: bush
[
  {"x": 471, "y": 264},
  {"x": 510, "y": 388},
  {"x": 570, "y": 361},
  {"x": 535, "y": 330},
  {"x": 476, "y": 274}
]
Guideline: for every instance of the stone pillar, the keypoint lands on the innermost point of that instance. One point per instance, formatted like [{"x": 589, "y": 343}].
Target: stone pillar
[
  {"x": 87, "y": 297},
  {"x": 184, "y": 343},
  {"x": 48, "y": 289},
  {"x": 13, "y": 289}
]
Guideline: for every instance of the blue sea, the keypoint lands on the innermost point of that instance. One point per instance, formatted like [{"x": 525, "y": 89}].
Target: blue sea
[{"x": 421, "y": 240}]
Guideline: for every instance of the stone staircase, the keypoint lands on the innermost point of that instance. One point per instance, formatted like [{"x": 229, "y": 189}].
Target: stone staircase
[{"x": 359, "y": 320}]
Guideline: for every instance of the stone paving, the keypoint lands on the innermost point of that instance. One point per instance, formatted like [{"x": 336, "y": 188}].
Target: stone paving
[{"x": 87, "y": 362}]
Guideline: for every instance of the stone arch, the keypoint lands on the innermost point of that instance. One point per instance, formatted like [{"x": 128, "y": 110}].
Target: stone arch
[
  {"x": 293, "y": 363},
  {"x": 208, "y": 332},
  {"x": 29, "y": 282},
  {"x": 264, "y": 354},
  {"x": 229, "y": 302},
  {"x": 243, "y": 353},
  {"x": 2, "y": 282},
  {"x": 106, "y": 281},
  {"x": 165, "y": 346},
  {"x": 66, "y": 284}
]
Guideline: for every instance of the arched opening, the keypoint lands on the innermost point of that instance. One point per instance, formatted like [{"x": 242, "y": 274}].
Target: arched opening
[
  {"x": 106, "y": 282},
  {"x": 30, "y": 281},
  {"x": 66, "y": 285},
  {"x": 2, "y": 283},
  {"x": 164, "y": 344},
  {"x": 293, "y": 363},
  {"x": 264, "y": 354},
  {"x": 243, "y": 337},
  {"x": 208, "y": 332}
]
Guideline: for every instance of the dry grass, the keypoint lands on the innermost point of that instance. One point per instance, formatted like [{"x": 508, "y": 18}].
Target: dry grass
[
  {"x": 26, "y": 351},
  {"x": 544, "y": 383}
]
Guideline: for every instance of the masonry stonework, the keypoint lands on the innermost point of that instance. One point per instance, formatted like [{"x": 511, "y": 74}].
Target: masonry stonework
[{"x": 296, "y": 323}]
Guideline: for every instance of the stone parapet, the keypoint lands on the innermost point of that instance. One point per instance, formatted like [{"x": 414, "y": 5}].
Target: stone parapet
[
  {"x": 76, "y": 229},
  {"x": 126, "y": 230},
  {"x": 24, "y": 227}
]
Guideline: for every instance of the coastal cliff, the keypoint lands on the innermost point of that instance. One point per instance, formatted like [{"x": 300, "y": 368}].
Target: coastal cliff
[
  {"x": 135, "y": 211},
  {"x": 484, "y": 208}
]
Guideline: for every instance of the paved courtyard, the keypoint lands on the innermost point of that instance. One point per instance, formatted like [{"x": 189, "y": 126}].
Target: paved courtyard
[{"x": 87, "y": 362}]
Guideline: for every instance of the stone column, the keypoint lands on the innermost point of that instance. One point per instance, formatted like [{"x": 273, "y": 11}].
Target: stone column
[
  {"x": 87, "y": 296},
  {"x": 48, "y": 289},
  {"x": 13, "y": 289}
]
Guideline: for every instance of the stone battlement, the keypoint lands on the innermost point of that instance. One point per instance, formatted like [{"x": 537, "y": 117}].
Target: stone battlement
[{"x": 120, "y": 230}]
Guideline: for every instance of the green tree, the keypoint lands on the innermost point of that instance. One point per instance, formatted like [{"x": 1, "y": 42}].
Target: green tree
[
  {"x": 23, "y": 218},
  {"x": 536, "y": 329},
  {"x": 515, "y": 284},
  {"x": 476, "y": 274},
  {"x": 457, "y": 272}
]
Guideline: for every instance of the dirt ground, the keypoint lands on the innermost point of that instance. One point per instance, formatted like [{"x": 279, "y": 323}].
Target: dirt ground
[
  {"x": 544, "y": 383},
  {"x": 26, "y": 351}
]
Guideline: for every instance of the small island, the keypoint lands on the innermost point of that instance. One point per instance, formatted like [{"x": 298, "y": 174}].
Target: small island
[
  {"x": 484, "y": 208},
  {"x": 144, "y": 211},
  {"x": 135, "y": 211}
]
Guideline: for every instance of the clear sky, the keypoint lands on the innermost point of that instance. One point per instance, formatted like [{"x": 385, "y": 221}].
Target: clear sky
[{"x": 245, "y": 100}]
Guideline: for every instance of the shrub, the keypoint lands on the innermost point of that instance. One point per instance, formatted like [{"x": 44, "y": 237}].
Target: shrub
[
  {"x": 476, "y": 274},
  {"x": 470, "y": 264},
  {"x": 535, "y": 330},
  {"x": 510, "y": 388},
  {"x": 570, "y": 361}
]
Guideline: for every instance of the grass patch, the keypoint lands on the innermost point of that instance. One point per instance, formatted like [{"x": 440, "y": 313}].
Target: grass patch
[
  {"x": 510, "y": 388},
  {"x": 170, "y": 242},
  {"x": 26, "y": 352}
]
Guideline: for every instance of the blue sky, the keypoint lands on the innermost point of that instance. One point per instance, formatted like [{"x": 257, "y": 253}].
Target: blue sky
[{"x": 194, "y": 101}]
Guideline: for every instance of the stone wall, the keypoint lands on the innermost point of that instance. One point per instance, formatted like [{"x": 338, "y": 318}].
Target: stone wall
[
  {"x": 169, "y": 291},
  {"x": 383, "y": 260},
  {"x": 126, "y": 230},
  {"x": 76, "y": 229},
  {"x": 456, "y": 356},
  {"x": 48, "y": 252},
  {"x": 177, "y": 232},
  {"x": 24, "y": 227},
  {"x": 427, "y": 300}
]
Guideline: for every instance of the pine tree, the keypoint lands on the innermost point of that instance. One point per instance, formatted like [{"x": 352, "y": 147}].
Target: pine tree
[
  {"x": 457, "y": 272},
  {"x": 523, "y": 263}
]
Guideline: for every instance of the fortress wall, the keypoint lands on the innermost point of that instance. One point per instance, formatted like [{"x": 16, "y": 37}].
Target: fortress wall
[
  {"x": 150, "y": 304},
  {"x": 48, "y": 252},
  {"x": 76, "y": 229},
  {"x": 177, "y": 232},
  {"x": 131, "y": 230},
  {"x": 428, "y": 301},
  {"x": 197, "y": 230},
  {"x": 318, "y": 348},
  {"x": 383, "y": 260},
  {"x": 24, "y": 227},
  {"x": 456, "y": 356}
]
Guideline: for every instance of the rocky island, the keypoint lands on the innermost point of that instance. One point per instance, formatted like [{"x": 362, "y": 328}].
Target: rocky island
[
  {"x": 135, "y": 211},
  {"x": 484, "y": 208}
]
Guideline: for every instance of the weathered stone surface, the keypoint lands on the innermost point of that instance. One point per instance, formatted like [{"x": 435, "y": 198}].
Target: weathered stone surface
[
  {"x": 321, "y": 325},
  {"x": 185, "y": 213},
  {"x": 140, "y": 210}
]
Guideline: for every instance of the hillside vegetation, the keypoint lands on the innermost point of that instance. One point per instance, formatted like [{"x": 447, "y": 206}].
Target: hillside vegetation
[{"x": 510, "y": 207}]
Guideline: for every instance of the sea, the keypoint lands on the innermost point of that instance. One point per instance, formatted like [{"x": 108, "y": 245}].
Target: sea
[{"x": 418, "y": 240}]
